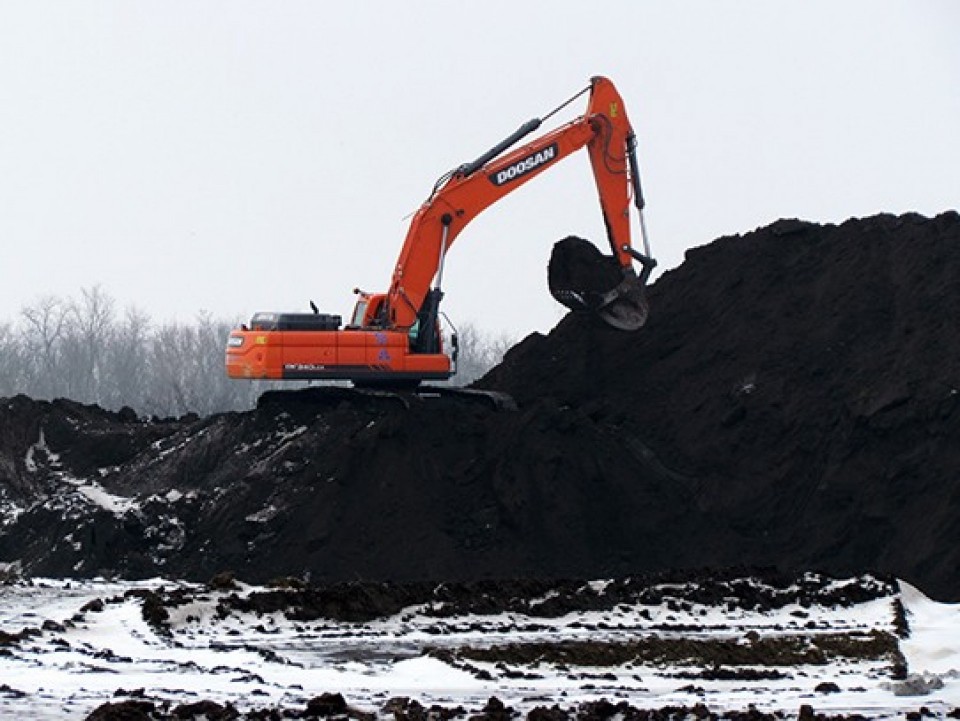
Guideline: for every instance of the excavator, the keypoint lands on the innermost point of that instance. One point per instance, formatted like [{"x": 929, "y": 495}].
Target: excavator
[{"x": 394, "y": 338}]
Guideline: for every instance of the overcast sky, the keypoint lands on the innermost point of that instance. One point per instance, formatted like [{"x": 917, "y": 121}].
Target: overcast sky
[{"x": 235, "y": 156}]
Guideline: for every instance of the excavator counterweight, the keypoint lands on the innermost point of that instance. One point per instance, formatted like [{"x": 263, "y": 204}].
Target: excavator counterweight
[{"x": 394, "y": 337}]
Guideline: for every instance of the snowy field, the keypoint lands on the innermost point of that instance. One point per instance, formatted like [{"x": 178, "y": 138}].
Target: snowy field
[{"x": 66, "y": 647}]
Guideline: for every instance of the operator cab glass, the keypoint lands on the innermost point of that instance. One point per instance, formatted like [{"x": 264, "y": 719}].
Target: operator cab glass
[{"x": 358, "y": 313}]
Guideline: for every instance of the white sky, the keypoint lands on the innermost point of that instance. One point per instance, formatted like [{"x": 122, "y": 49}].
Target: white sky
[{"x": 241, "y": 156}]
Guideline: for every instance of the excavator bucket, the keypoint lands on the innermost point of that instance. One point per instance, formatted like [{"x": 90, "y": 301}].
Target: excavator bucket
[{"x": 584, "y": 279}]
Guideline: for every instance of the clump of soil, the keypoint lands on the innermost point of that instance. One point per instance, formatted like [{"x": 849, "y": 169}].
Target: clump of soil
[
  {"x": 331, "y": 705},
  {"x": 783, "y": 650},
  {"x": 577, "y": 264},
  {"x": 750, "y": 589},
  {"x": 793, "y": 401}
]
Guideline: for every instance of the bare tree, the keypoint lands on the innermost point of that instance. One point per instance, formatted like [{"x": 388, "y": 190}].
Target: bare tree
[
  {"x": 12, "y": 361},
  {"x": 218, "y": 392},
  {"x": 86, "y": 336},
  {"x": 127, "y": 361},
  {"x": 172, "y": 349},
  {"x": 479, "y": 351},
  {"x": 42, "y": 334}
]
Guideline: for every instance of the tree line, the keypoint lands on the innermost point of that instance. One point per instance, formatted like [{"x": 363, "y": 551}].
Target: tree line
[{"x": 87, "y": 349}]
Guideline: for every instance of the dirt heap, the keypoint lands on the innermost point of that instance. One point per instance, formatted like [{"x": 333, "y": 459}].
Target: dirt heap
[
  {"x": 801, "y": 381},
  {"x": 335, "y": 487},
  {"x": 792, "y": 401}
]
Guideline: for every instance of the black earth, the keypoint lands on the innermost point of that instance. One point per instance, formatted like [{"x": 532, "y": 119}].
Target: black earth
[{"x": 792, "y": 402}]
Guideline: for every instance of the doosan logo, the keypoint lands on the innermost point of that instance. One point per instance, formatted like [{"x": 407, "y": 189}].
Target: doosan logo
[{"x": 522, "y": 167}]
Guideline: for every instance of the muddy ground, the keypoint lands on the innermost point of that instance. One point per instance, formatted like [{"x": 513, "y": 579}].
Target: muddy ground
[{"x": 792, "y": 402}]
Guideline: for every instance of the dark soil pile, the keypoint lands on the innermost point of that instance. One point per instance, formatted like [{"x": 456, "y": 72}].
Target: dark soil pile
[
  {"x": 792, "y": 402},
  {"x": 801, "y": 381},
  {"x": 339, "y": 487}
]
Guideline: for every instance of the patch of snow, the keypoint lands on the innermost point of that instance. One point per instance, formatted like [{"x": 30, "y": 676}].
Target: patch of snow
[
  {"x": 162, "y": 453},
  {"x": 98, "y": 496},
  {"x": 283, "y": 436},
  {"x": 263, "y": 515},
  {"x": 933, "y": 646},
  {"x": 599, "y": 587},
  {"x": 9, "y": 512},
  {"x": 30, "y": 461}
]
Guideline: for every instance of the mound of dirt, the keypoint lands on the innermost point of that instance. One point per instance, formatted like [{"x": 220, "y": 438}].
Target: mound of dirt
[
  {"x": 359, "y": 488},
  {"x": 792, "y": 402},
  {"x": 801, "y": 381}
]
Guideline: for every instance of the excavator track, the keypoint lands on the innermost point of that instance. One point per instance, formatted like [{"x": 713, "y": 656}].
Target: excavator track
[
  {"x": 495, "y": 399},
  {"x": 333, "y": 396}
]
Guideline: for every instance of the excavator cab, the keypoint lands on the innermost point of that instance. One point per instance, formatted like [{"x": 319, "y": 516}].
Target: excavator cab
[{"x": 370, "y": 310}]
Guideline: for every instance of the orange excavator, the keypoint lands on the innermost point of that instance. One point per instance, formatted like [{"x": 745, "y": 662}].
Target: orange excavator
[{"x": 395, "y": 338}]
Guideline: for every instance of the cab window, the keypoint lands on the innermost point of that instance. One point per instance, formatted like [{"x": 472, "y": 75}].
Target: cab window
[{"x": 359, "y": 312}]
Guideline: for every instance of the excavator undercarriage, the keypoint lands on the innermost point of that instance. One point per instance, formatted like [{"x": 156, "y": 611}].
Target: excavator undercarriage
[{"x": 386, "y": 396}]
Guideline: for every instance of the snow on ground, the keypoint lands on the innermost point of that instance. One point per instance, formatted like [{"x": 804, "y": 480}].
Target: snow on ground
[
  {"x": 87, "y": 491},
  {"x": 80, "y": 659},
  {"x": 934, "y": 642},
  {"x": 98, "y": 496}
]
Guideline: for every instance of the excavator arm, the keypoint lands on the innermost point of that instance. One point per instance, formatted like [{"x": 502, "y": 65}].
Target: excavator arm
[{"x": 463, "y": 194}]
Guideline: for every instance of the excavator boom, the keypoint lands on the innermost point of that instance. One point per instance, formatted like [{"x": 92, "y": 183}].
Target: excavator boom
[
  {"x": 395, "y": 336},
  {"x": 609, "y": 138}
]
